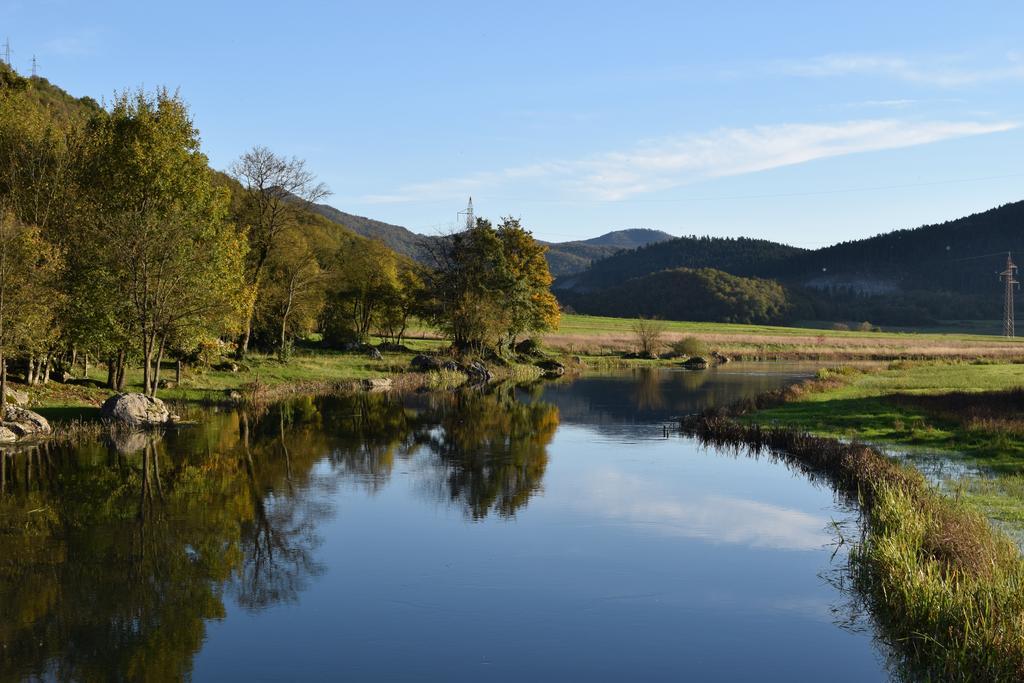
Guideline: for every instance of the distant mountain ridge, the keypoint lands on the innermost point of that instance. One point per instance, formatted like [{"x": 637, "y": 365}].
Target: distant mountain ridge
[
  {"x": 564, "y": 258},
  {"x": 917, "y": 276}
]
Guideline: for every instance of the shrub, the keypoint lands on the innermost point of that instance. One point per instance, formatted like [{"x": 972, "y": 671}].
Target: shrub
[{"x": 689, "y": 346}]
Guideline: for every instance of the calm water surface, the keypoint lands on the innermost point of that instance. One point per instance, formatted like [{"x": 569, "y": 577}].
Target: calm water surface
[{"x": 551, "y": 533}]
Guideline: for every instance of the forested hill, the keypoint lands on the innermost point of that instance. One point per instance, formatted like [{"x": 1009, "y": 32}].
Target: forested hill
[
  {"x": 916, "y": 276},
  {"x": 563, "y": 258},
  {"x": 738, "y": 256},
  {"x": 401, "y": 240},
  {"x": 566, "y": 258},
  {"x": 961, "y": 256}
]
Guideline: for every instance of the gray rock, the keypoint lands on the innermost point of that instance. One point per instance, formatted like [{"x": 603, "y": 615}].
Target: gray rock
[
  {"x": 696, "y": 363},
  {"x": 128, "y": 441},
  {"x": 137, "y": 410},
  {"x": 24, "y": 422},
  {"x": 423, "y": 363},
  {"x": 377, "y": 384},
  {"x": 375, "y": 355},
  {"x": 7, "y": 436}
]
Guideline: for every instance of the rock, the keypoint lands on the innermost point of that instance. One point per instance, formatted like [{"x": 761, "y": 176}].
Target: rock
[
  {"x": 423, "y": 363},
  {"x": 719, "y": 358},
  {"x": 528, "y": 347},
  {"x": 375, "y": 354},
  {"x": 137, "y": 410},
  {"x": 167, "y": 384},
  {"x": 15, "y": 396},
  {"x": 388, "y": 347},
  {"x": 696, "y": 363},
  {"x": 61, "y": 375},
  {"x": 477, "y": 372},
  {"x": 24, "y": 422},
  {"x": 377, "y": 384},
  {"x": 226, "y": 366},
  {"x": 233, "y": 395},
  {"x": 551, "y": 368},
  {"x": 7, "y": 436}
]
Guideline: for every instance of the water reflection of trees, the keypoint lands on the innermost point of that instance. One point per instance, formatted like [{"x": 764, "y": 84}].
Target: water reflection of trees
[
  {"x": 114, "y": 555},
  {"x": 491, "y": 450}
]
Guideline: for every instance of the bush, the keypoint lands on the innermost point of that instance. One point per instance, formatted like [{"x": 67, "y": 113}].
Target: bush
[{"x": 689, "y": 346}]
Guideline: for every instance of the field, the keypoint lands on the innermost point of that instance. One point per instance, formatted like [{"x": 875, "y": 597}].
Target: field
[{"x": 596, "y": 336}]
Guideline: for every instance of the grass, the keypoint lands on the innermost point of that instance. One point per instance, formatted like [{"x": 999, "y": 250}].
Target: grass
[
  {"x": 945, "y": 586},
  {"x": 924, "y": 406},
  {"x": 594, "y": 337}
]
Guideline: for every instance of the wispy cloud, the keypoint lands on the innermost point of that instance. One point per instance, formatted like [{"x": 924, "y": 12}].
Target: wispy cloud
[
  {"x": 943, "y": 71},
  {"x": 663, "y": 164}
]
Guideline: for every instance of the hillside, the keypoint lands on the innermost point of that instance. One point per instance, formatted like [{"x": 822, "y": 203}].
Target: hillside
[
  {"x": 702, "y": 294},
  {"x": 399, "y": 239},
  {"x": 945, "y": 271},
  {"x": 739, "y": 256},
  {"x": 564, "y": 258}
]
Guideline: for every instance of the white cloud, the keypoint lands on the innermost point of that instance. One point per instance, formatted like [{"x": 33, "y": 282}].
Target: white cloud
[
  {"x": 947, "y": 72},
  {"x": 666, "y": 163}
]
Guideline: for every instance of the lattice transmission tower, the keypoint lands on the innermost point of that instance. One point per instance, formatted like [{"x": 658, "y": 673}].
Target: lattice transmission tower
[
  {"x": 1009, "y": 278},
  {"x": 466, "y": 217}
]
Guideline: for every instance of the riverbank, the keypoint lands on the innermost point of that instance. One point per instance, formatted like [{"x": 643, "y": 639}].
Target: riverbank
[{"x": 945, "y": 585}]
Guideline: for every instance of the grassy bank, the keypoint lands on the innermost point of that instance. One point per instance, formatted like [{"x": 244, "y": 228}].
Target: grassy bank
[
  {"x": 596, "y": 337},
  {"x": 945, "y": 585}
]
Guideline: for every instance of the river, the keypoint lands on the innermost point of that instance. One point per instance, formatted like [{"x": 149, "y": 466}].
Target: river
[{"x": 559, "y": 532}]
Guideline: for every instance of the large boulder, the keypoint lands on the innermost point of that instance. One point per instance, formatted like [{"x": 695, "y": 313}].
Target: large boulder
[
  {"x": 552, "y": 368},
  {"x": 377, "y": 384},
  {"x": 24, "y": 422},
  {"x": 137, "y": 410},
  {"x": 696, "y": 363},
  {"x": 7, "y": 435},
  {"x": 424, "y": 363}
]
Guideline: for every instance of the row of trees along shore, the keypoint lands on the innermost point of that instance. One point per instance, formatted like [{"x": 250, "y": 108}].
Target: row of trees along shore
[{"x": 118, "y": 243}]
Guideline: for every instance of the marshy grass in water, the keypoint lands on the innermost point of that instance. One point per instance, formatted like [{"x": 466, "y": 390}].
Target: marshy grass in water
[{"x": 946, "y": 586}]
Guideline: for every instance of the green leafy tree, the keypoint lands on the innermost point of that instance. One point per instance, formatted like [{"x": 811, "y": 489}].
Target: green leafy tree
[{"x": 162, "y": 257}]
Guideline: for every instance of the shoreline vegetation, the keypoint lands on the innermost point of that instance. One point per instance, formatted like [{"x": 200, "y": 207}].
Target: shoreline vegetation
[
  {"x": 935, "y": 558},
  {"x": 945, "y": 584}
]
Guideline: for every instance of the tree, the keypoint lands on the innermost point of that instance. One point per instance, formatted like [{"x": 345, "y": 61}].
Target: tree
[
  {"x": 276, "y": 190},
  {"x": 491, "y": 285},
  {"x": 293, "y": 294},
  {"x": 157, "y": 234},
  {"x": 648, "y": 333},
  {"x": 28, "y": 299},
  {"x": 532, "y": 306}
]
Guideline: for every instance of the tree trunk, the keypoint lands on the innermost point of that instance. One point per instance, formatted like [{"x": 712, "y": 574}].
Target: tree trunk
[
  {"x": 30, "y": 374},
  {"x": 156, "y": 369},
  {"x": 243, "y": 344},
  {"x": 85, "y": 365},
  {"x": 46, "y": 370},
  {"x": 177, "y": 372},
  {"x": 120, "y": 373},
  {"x": 111, "y": 373},
  {"x": 3, "y": 383}
]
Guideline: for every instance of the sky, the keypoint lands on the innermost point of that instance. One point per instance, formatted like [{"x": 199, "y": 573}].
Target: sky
[{"x": 807, "y": 123}]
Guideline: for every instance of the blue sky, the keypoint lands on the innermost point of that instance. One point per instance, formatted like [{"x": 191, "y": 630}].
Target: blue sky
[{"x": 807, "y": 123}]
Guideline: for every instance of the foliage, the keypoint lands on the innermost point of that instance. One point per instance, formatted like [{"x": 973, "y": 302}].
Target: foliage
[
  {"x": 685, "y": 294},
  {"x": 491, "y": 285}
]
